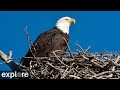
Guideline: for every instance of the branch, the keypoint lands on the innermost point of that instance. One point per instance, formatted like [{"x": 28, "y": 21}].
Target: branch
[
  {"x": 102, "y": 73},
  {"x": 4, "y": 57},
  {"x": 74, "y": 76},
  {"x": 68, "y": 48},
  {"x": 29, "y": 42},
  {"x": 117, "y": 60},
  {"x": 54, "y": 52},
  {"x": 8, "y": 60}
]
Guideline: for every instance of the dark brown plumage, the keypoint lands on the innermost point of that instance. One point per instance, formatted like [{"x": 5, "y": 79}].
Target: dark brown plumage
[
  {"x": 51, "y": 40},
  {"x": 46, "y": 43}
]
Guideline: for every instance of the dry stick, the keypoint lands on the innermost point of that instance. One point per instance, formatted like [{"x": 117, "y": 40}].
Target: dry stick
[
  {"x": 45, "y": 69},
  {"x": 117, "y": 60},
  {"x": 29, "y": 58},
  {"x": 111, "y": 75},
  {"x": 92, "y": 72},
  {"x": 107, "y": 76},
  {"x": 53, "y": 66},
  {"x": 85, "y": 57},
  {"x": 34, "y": 74},
  {"x": 8, "y": 60},
  {"x": 36, "y": 57},
  {"x": 88, "y": 48},
  {"x": 106, "y": 50},
  {"x": 64, "y": 74},
  {"x": 80, "y": 47},
  {"x": 30, "y": 65},
  {"x": 5, "y": 57},
  {"x": 96, "y": 64},
  {"x": 113, "y": 68},
  {"x": 68, "y": 48},
  {"x": 69, "y": 60},
  {"x": 54, "y": 52},
  {"x": 65, "y": 59},
  {"x": 102, "y": 73},
  {"x": 116, "y": 53},
  {"x": 96, "y": 58},
  {"x": 74, "y": 76},
  {"x": 30, "y": 44},
  {"x": 10, "y": 55}
]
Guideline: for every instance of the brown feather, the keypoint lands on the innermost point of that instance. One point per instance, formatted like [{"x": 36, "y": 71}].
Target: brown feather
[{"x": 46, "y": 43}]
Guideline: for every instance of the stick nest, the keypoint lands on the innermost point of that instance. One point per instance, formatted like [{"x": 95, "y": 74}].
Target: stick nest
[
  {"x": 81, "y": 65},
  {"x": 78, "y": 65}
]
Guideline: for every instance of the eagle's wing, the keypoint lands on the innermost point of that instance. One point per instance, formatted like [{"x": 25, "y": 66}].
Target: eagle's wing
[{"x": 41, "y": 44}]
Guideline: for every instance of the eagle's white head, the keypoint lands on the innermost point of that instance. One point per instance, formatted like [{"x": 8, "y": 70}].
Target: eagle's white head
[{"x": 64, "y": 23}]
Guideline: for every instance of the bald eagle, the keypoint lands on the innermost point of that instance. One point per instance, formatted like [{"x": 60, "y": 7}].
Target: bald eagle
[{"x": 51, "y": 40}]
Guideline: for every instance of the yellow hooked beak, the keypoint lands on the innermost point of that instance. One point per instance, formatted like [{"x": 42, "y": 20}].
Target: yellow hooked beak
[{"x": 72, "y": 21}]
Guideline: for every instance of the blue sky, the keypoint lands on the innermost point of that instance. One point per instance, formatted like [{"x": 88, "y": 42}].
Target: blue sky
[{"x": 100, "y": 29}]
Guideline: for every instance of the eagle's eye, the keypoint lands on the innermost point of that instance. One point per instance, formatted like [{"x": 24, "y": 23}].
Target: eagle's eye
[{"x": 66, "y": 19}]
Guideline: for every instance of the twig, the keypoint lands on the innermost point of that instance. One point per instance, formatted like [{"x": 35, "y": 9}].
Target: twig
[
  {"x": 5, "y": 58},
  {"x": 34, "y": 74},
  {"x": 88, "y": 48},
  {"x": 68, "y": 48},
  {"x": 66, "y": 73},
  {"x": 85, "y": 57},
  {"x": 54, "y": 52},
  {"x": 80, "y": 47},
  {"x": 8, "y": 60},
  {"x": 74, "y": 76},
  {"x": 97, "y": 65},
  {"x": 30, "y": 44},
  {"x": 111, "y": 75},
  {"x": 53, "y": 66},
  {"x": 10, "y": 55},
  {"x": 106, "y": 50},
  {"x": 102, "y": 73},
  {"x": 117, "y": 60}
]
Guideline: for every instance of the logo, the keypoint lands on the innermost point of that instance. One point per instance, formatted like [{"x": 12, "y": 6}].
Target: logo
[{"x": 11, "y": 75}]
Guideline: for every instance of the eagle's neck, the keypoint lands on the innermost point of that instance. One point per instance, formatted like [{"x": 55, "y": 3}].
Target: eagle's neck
[{"x": 64, "y": 27}]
